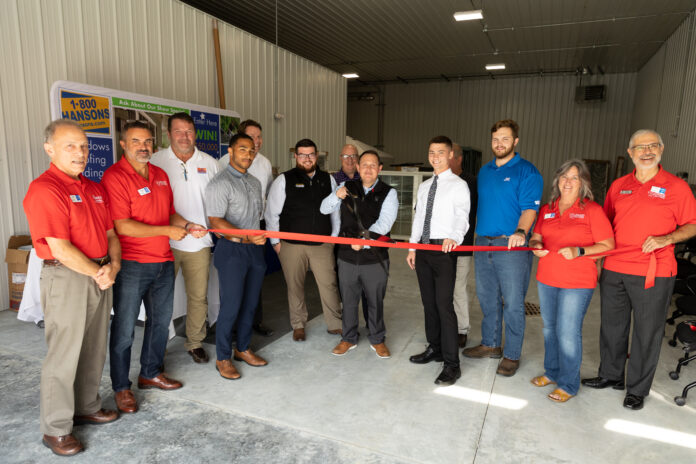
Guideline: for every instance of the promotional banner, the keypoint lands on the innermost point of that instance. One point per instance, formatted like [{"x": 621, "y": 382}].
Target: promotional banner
[{"x": 103, "y": 112}]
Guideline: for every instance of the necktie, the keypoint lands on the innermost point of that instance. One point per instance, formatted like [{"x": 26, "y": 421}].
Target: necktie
[{"x": 425, "y": 238}]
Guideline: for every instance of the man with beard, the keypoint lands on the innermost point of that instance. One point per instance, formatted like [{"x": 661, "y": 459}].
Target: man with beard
[
  {"x": 142, "y": 206},
  {"x": 189, "y": 171},
  {"x": 261, "y": 169},
  {"x": 73, "y": 233},
  {"x": 509, "y": 189},
  {"x": 649, "y": 209},
  {"x": 233, "y": 201},
  {"x": 293, "y": 206}
]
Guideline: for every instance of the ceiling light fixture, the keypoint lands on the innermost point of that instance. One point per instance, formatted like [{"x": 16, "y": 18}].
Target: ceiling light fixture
[
  {"x": 350, "y": 75},
  {"x": 468, "y": 15},
  {"x": 494, "y": 67}
]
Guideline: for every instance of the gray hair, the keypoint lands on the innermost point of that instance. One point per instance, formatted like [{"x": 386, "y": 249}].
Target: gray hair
[
  {"x": 641, "y": 132},
  {"x": 50, "y": 130},
  {"x": 583, "y": 174}
]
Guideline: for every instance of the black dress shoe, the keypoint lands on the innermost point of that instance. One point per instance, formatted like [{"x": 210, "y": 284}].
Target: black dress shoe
[
  {"x": 461, "y": 339},
  {"x": 199, "y": 355},
  {"x": 601, "y": 382},
  {"x": 425, "y": 357},
  {"x": 634, "y": 402},
  {"x": 448, "y": 376},
  {"x": 262, "y": 330}
]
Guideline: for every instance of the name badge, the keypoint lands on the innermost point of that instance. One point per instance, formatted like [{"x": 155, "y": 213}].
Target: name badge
[
  {"x": 625, "y": 192},
  {"x": 549, "y": 215},
  {"x": 656, "y": 189},
  {"x": 202, "y": 170},
  {"x": 144, "y": 191},
  {"x": 299, "y": 186},
  {"x": 75, "y": 198}
]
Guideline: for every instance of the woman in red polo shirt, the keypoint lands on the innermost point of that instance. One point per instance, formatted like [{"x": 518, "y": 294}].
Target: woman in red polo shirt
[{"x": 569, "y": 227}]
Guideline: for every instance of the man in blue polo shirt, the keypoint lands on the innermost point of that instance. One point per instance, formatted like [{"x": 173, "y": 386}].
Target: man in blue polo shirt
[{"x": 510, "y": 191}]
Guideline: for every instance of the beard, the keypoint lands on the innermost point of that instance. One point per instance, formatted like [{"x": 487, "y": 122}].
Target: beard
[
  {"x": 306, "y": 170},
  {"x": 504, "y": 154}
]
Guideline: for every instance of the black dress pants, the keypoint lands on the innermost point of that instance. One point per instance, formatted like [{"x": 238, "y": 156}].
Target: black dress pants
[{"x": 437, "y": 273}]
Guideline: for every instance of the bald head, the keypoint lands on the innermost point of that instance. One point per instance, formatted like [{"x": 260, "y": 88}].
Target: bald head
[
  {"x": 349, "y": 159},
  {"x": 455, "y": 163}
]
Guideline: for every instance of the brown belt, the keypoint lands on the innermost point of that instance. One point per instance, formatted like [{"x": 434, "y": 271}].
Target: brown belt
[
  {"x": 100, "y": 261},
  {"x": 495, "y": 238}
]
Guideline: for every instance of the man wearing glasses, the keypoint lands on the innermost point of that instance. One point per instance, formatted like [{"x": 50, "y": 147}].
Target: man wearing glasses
[
  {"x": 651, "y": 210},
  {"x": 294, "y": 201},
  {"x": 189, "y": 171},
  {"x": 349, "y": 165},
  {"x": 142, "y": 207}
]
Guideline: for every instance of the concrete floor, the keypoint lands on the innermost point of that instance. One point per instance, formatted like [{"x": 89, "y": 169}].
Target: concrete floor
[{"x": 308, "y": 406}]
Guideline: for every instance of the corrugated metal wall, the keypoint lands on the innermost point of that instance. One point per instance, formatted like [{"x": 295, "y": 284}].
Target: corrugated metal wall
[
  {"x": 666, "y": 98},
  {"x": 553, "y": 127},
  {"x": 156, "y": 47}
]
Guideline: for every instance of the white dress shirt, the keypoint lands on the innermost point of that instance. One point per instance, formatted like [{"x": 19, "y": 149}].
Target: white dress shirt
[
  {"x": 276, "y": 201},
  {"x": 188, "y": 181},
  {"x": 450, "y": 216}
]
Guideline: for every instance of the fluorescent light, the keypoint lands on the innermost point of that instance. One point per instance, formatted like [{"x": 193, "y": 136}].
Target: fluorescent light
[
  {"x": 468, "y": 15},
  {"x": 493, "y": 67},
  {"x": 650, "y": 432},
  {"x": 350, "y": 75},
  {"x": 482, "y": 397}
]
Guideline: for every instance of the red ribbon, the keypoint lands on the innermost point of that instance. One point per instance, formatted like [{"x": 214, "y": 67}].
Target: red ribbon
[{"x": 649, "y": 278}]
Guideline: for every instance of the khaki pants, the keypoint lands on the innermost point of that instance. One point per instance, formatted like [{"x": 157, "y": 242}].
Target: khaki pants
[
  {"x": 461, "y": 296},
  {"x": 296, "y": 260},
  {"x": 76, "y": 314},
  {"x": 195, "y": 266}
]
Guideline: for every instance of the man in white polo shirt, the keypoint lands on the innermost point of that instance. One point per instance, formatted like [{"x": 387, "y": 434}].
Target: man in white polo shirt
[
  {"x": 189, "y": 171},
  {"x": 261, "y": 169}
]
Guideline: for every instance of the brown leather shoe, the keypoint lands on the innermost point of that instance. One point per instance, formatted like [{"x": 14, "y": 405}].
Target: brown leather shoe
[
  {"x": 483, "y": 351},
  {"x": 103, "y": 416},
  {"x": 298, "y": 335},
  {"x": 381, "y": 350},
  {"x": 199, "y": 355},
  {"x": 335, "y": 332},
  {"x": 125, "y": 401},
  {"x": 343, "y": 347},
  {"x": 249, "y": 357},
  {"x": 65, "y": 445},
  {"x": 461, "y": 339},
  {"x": 227, "y": 369},
  {"x": 508, "y": 367},
  {"x": 161, "y": 381}
]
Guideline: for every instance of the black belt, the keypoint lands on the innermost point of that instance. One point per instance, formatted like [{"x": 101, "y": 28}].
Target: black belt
[
  {"x": 100, "y": 261},
  {"x": 495, "y": 238},
  {"x": 436, "y": 241}
]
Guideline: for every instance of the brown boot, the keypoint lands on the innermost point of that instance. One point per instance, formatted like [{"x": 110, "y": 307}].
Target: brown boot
[
  {"x": 482, "y": 351},
  {"x": 227, "y": 369},
  {"x": 508, "y": 367},
  {"x": 64, "y": 445},
  {"x": 249, "y": 357}
]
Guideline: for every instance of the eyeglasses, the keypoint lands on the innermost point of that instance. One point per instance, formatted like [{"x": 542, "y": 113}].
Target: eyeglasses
[
  {"x": 305, "y": 156},
  {"x": 349, "y": 156},
  {"x": 644, "y": 148}
]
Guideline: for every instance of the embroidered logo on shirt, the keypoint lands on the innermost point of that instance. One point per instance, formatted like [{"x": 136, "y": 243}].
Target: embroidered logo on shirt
[
  {"x": 625, "y": 192},
  {"x": 299, "y": 185},
  {"x": 161, "y": 183},
  {"x": 98, "y": 199},
  {"x": 75, "y": 198},
  {"x": 656, "y": 191},
  {"x": 144, "y": 191},
  {"x": 507, "y": 179},
  {"x": 202, "y": 170},
  {"x": 536, "y": 202},
  {"x": 549, "y": 215},
  {"x": 576, "y": 216}
]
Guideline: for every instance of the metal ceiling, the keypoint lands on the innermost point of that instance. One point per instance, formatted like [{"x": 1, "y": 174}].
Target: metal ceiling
[{"x": 415, "y": 40}]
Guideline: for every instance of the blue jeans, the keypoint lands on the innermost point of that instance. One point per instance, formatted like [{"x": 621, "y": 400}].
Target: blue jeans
[
  {"x": 502, "y": 276},
  {"x": 563, "y": 310},
  {"x": 241, "y": 268},
  {"x": 153, "y": 284}
]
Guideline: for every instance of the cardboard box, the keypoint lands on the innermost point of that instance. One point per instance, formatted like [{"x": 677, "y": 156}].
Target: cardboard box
[{"x": 17, "y": 262}]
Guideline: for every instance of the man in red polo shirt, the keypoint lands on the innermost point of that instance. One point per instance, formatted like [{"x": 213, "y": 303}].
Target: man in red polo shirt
[
  {"x": 651, "y": 210},
  {"x": 73, "y": 233},
  {"x": 142, "y": 206}
]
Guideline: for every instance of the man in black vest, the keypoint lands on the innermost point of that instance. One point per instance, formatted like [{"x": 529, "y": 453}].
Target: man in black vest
[
  {"x": 293, "y": 206},
  {"x": 368, "y": 204}
]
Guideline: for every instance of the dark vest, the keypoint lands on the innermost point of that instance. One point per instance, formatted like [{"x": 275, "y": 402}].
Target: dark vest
[
  {"x": 303, "y": 198},
  {"x": 369, "y": 207}
]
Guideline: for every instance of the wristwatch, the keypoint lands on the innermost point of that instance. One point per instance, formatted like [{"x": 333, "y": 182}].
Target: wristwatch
[
  {"x": 521, "y": 231},
  {"x": 581, "y": 251}
]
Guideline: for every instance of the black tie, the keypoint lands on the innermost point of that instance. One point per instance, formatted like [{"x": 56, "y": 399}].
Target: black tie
[{"x": 425, "y": 238}]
